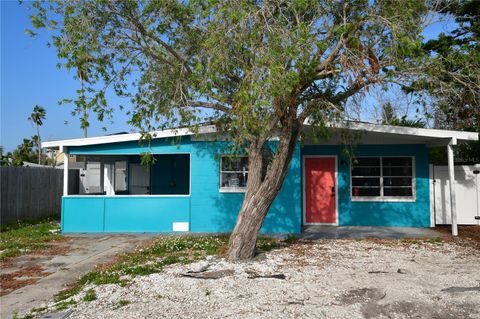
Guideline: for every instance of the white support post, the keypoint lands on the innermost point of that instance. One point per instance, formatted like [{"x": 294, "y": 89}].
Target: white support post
[
  {"x": 432, "y": 194},
  {"x": 451, "y": 175},
  {"x": 65, "y": 172}
]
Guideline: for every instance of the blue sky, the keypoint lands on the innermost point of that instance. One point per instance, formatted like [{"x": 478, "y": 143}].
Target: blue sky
[{"x": 29, "y": 76}]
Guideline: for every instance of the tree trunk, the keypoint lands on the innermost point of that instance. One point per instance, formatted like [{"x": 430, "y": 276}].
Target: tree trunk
[
  {"x": 39, "y": 146},
  {"x": 85, "y": 116},
  {"x": 262, "y": 188}
]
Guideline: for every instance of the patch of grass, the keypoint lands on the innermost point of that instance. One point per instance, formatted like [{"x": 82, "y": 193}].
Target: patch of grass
[
  {"x": 265, "y": 244},
  {"x": 291, "y": 239},
  {"x": 437, "y": 240},
  {"x": 63, "y": 305},
  {"x": 122, "y": 303},
  {"x": 32, "y": 314},
  {"x": 69, "y": 292},
  {"x": 27, "y": 316},
  {"x": 23, "y": 238},
  {"x": 411, "y": 241},
  {"x": 95, "y": 278},
  {"x": 39, "y": 309},
  {"x": 90, "y": 295},
  {"x": 102, "y": 278}
]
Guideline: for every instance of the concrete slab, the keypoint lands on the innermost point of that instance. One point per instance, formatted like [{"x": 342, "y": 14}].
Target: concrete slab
[
  {"x": 86, "y": 252},
  {"x": 336, "y": 232}
]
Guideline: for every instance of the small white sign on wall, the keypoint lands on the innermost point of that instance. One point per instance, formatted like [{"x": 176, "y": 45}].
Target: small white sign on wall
[{"x": 180, "y": 226}]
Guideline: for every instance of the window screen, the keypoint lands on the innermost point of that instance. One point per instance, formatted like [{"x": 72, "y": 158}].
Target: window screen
[{"x": 233, "y": 173}]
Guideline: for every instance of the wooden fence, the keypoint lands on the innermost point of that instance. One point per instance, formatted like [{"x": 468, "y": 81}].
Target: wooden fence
[{"x": 31, "y": 193}]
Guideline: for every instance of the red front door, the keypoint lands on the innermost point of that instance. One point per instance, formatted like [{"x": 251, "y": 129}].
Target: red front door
[{"x": 320, "y": 202}]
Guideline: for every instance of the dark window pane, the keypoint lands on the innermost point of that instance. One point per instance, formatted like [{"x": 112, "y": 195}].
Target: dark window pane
[
  {"x": 366, "y": 171},
  {"x": 397, "y": 191},
  {"x": 366, "y": 161},
  {"x": 365, "y": 181},
  {"x": 397, "y": 181},
  {"x": 397, "y": 161},
  {"x": 357, "y": 191},
  {"x": 397, "y": 171},
  {"x": 233, "y": 180},
  {"x": 170, "y": 175}
]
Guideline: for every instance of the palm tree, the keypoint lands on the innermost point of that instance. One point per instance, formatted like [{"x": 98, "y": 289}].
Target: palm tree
[
  {"x": 23, "y": 153},
  {"x": 37, "y": 117}
]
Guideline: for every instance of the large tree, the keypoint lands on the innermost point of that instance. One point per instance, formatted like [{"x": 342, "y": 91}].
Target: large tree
[
  {"x": 457, "y": 87},
  {"x": 256, "y": 69},
  {"x": 451, "y": 76}
]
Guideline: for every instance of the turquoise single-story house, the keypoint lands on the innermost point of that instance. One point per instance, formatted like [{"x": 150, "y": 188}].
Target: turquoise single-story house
[{"x": 196, "y": 184}]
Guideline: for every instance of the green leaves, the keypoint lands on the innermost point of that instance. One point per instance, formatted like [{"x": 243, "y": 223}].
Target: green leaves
[
  {"x": 37, "y": 22},
  {"x": 254, "y": 68}
]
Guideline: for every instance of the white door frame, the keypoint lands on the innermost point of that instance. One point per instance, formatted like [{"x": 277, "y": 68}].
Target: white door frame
[{"x": 304, "y": 189}]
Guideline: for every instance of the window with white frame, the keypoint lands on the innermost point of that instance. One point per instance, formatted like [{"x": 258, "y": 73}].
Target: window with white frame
[
  {"x": 233, "y": 173},
  {"x": 377, "y": 178}
]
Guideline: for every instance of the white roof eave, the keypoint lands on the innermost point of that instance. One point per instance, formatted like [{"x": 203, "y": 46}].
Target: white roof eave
[
  {"x": 412, "y": 131},
  {"x": 441, "y": 135},
  {"x": 126, "y": 137}
]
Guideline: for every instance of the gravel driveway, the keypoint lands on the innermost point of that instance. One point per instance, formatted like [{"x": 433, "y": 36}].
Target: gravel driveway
[
  {"x": 34, "y": 278},
  {"x": 323, "y": 279}
]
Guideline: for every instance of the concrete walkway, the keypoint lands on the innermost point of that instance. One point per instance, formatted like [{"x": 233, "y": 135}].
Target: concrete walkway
[
  {"x": 333, "y": 232},
  {"x": 86, "y": 252}
]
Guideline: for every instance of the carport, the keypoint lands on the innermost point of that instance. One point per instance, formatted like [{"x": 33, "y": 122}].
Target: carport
[{"x": 373, "y": 133}]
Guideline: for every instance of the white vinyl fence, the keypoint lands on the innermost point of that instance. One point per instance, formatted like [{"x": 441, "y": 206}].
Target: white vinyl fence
[{"x": 467, "y": 194}]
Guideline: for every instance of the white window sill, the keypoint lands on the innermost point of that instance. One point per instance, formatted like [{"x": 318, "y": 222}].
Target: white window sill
[
  {"x": 123, "y": 196},
  {"x": 233, "y": 190},
  {"x": 384, "y": 199}
]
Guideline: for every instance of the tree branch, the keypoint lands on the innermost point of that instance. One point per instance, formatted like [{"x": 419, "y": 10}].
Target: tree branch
[
  {"x": 353, "y": 89},
  {"x": 148, "y": 35},
  {"x": 209, "y": 105}
]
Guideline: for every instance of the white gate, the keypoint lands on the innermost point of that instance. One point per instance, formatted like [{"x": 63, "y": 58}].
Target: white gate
[{"x": 467, "y": 188}]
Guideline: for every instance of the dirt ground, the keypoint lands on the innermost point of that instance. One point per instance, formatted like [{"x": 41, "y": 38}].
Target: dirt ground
[
  {"x": 341, "y": 278},
  {"x": 27, "y": 269},
  {"x": 470, "y": 235}
]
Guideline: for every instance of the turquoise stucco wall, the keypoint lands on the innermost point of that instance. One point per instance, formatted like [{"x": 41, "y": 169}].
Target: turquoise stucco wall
[
  {"x": 95, "y": 214},
  {"x": 206, "y": 208},
  {"x": 401, "y": 214}
]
